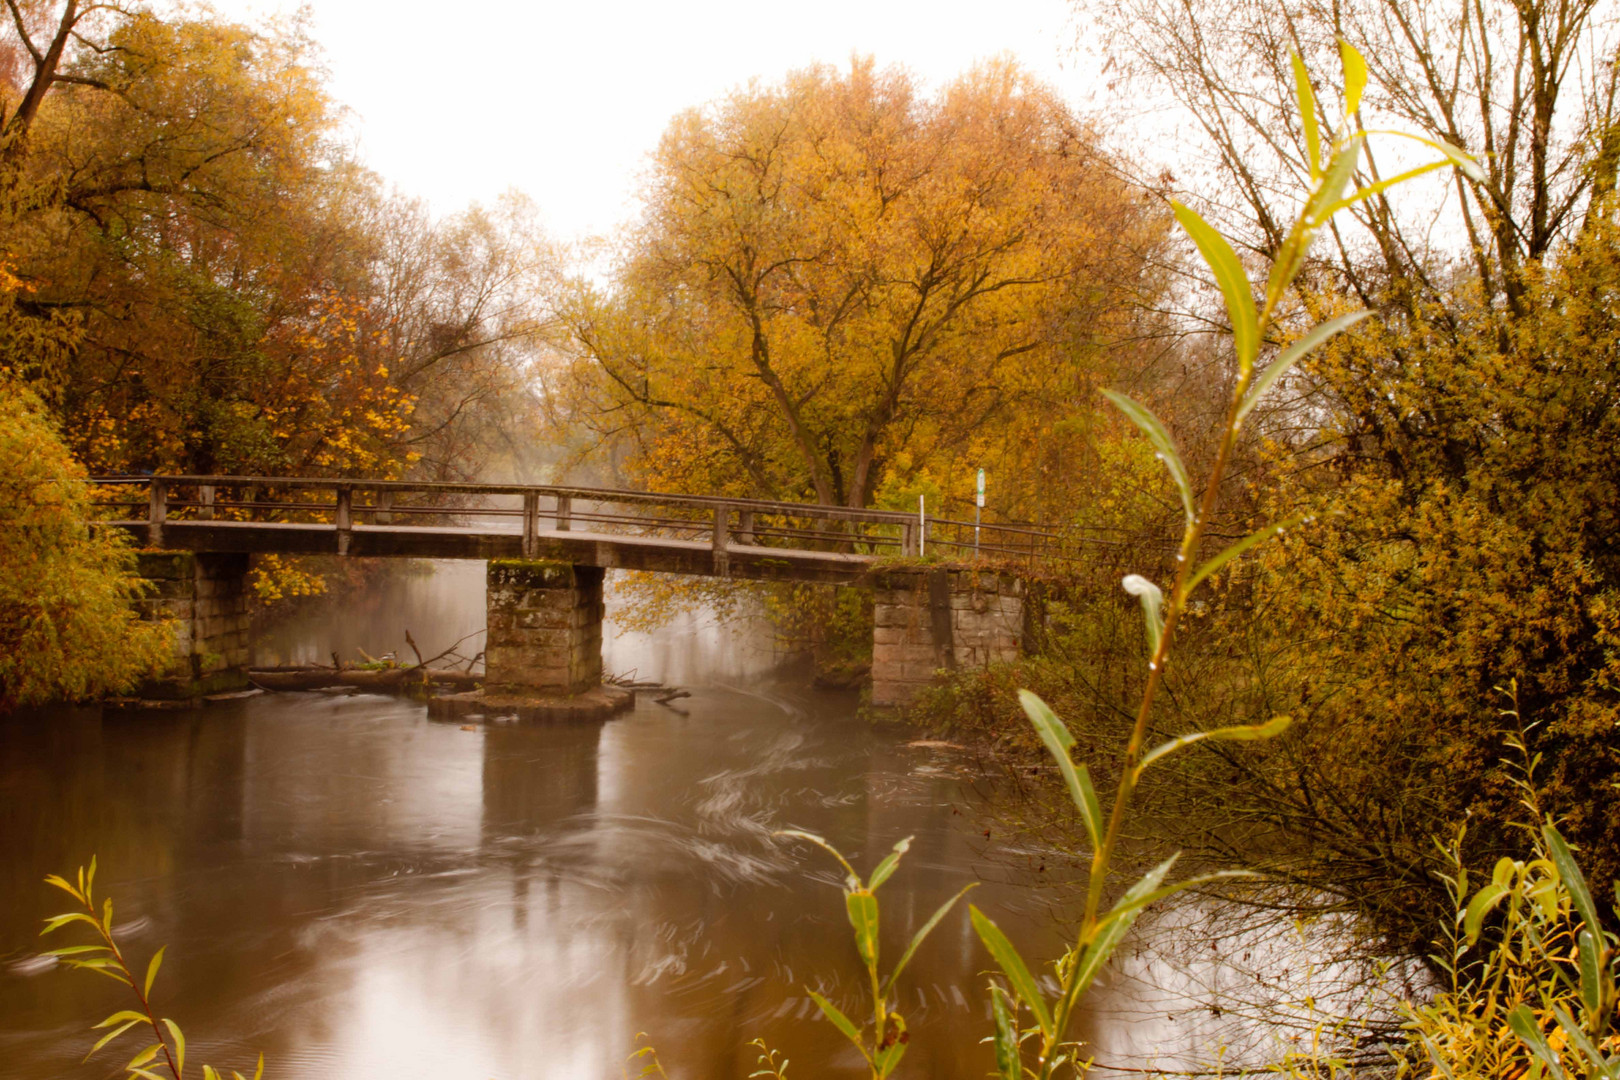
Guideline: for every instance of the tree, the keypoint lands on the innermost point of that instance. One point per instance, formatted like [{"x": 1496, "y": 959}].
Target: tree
[
  {"x": 1530, "y": 90},
  {"x": 839, "y": 285},
  {"x": 1452, "y": 457},
  {"x": 67, "y": 627},
  {"x": 248, "y": 299}
]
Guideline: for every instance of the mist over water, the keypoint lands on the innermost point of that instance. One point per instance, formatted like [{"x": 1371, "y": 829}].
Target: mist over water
[
  {"x": 358, "y": 891},
  {"x": 441, "y": 602}
]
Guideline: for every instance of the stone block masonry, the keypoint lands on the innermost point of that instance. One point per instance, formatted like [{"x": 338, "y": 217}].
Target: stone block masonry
[
  {"x": 545, "y": 627},
  {"x": 930, "y": 619},
  {"x": 205, "y": 598}
]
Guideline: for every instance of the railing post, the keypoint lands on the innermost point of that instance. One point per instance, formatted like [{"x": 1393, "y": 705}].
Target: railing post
[
  {"x": 531, "y": 523},
  {"x": 157, "y": 512},
  {"x": 745, "y": 527},
  {"x": 722, "y": 523},
  {"x": 206, "y": 497},
  {"x": 722, "y": 557},
  {"x": 564, "y": 512},
  {"x": 908, "y": 539},
  {"x": 344, "y": 516},
  {"x": 385, "y": 506}
]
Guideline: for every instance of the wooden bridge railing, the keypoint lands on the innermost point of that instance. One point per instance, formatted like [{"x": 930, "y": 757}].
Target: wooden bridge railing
[{"x": 533, "y": 509}]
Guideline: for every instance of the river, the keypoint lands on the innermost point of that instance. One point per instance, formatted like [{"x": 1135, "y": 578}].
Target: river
[{"x": 358, "y": 891}]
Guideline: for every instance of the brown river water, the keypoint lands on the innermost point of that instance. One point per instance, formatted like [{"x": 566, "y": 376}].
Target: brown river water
[{"x": 360, "y": 892}]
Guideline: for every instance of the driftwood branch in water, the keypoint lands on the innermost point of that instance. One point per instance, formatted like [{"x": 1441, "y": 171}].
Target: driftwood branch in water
[
  {"x": 318, "y": 677},
  {"x": 315, "y": 677}
]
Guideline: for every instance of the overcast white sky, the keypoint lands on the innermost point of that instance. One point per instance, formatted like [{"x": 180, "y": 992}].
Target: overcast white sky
[{"x": 460, "y": 101}]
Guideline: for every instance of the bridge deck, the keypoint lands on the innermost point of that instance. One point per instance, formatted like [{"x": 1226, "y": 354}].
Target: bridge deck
[
  {"x": 613, "y": 550},
  {"x": 681, "y": 534}
]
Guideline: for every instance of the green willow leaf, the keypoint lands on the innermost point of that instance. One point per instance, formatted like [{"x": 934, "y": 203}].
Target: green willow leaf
[
  {"x": 849, "y": 871},
  {"x": 1111, "y": 930},
  {"x": 1240, "y": 733},
  {"x": 1587, "y": 1048},
  {"x": 74, "y": 950},
  {"x": 179, "y": 1043},
  {"x": 1460, "y": 158},
  {"x": 1590, "y": 956},
  {"x": 1259, "y": 536},
  {"x": 119, "y": 1016},
  {"x": 65, "y": 885},
  {"x": 1129, "y": 905},
  {"x": 114, "y": 973},
  {"x": 111, "y": 1035},
  {"x": 1355, "y": 76},
  {"x": 890, "y": 863},
  {"x": 1055, "y": 736},
  {"x": 143, "y": 1057},
  {"x": 917, "y": 938},
  {"x": 889, "y": 1057},
  {"x": 1150, "y": 425},
  {"x": 1152, "y": 607},
  {"x": 831, "y": 1012},
  {"x": 1292, "y": 355},
  {"x": 56, "y": 922},
  {"x": 1440, "y": 1064},
  {"x": 1480, "y": 906},
  {"x": 1233, "y": 282},
  {"x": 1569, "y": 871},
  {"x": 1337, "y": 177},
  {"x": 1364, "y": 193},
  {"x": 863, "y": 916},
  {"x": 1012, "y": 965},
  {"x": 1008, "y": 1060},
  {"x": 1523, "y": 1023},
  {"x": 1307, "y": 114},
  {"x": 152, "y": 970}
]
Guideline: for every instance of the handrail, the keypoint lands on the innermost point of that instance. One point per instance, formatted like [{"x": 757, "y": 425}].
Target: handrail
[
  {"x": 888, "y": 517},
  {"x": 826, "y": 524}
]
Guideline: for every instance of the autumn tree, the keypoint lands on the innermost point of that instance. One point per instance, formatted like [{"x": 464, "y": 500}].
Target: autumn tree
[
  {"x": 248, "y": 298},
  {"x": 1452, "y": 455},
  {"x": 67, "y": 627},
  {"x": 840, "y": 284}
]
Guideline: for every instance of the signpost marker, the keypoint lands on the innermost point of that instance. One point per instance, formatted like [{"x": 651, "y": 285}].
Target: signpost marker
[{"x": 978, "y": 508}]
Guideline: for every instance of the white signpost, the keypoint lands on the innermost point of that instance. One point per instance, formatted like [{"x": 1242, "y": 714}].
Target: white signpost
[{"x": 978, "y": 508}]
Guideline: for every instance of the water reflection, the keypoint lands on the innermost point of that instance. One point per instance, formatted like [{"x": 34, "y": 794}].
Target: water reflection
[{"x": 358, "y": 891}]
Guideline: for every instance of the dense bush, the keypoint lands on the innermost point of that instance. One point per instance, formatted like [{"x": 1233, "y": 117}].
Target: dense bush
[{"x": 67, "y": 628}]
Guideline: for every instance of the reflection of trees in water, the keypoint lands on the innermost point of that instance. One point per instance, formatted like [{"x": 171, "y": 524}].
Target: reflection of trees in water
[
  {"x": 1209, "y": 981},
  {"x": 1237, "y": 977},
  {"x": 146, "y": 787}
]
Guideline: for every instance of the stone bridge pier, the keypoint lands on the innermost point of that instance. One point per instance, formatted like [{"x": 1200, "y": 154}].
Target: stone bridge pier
[
  {"x": 545, "y": 627},
  {"x": 543, "y": 652},
  {"x": 930, "y": 619},
  {"x": 205, "y": 597}
]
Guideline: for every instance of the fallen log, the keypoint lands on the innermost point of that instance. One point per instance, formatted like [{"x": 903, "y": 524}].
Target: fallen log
[{"x": 385, "y": 680}]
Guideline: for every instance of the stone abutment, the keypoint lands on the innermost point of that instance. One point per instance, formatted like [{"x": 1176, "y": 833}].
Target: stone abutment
[
  {"x": 204, "y": 596},
  {"x": 930, "y": 619}
]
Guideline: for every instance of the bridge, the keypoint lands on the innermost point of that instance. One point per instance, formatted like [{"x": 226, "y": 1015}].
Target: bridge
[{"x": 547, "y": 549}]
